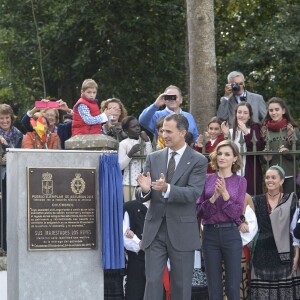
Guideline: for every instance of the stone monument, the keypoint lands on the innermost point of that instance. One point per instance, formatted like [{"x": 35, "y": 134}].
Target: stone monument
[{"x": 48, "y": 257}]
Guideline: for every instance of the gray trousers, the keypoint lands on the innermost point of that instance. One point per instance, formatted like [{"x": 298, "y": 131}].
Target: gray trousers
[
  {"x": 222, "y": 244},
  {"x": 182, "y": 264}
]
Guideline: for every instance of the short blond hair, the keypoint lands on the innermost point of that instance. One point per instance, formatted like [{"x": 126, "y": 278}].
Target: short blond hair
[{"x": 89, "y": 83}]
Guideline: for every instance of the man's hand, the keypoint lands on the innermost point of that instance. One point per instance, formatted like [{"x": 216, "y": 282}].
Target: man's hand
[
  {"x": 228, "y": 90},
  {"x": 160, "y": 184},
  {"x": 160, "y": 101},
  {"x": 144, "y": 182}
]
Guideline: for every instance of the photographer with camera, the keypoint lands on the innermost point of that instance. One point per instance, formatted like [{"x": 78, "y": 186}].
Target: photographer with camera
[
  {"x": 235, "y": 92},
  {"x": 172, "y": 99}
]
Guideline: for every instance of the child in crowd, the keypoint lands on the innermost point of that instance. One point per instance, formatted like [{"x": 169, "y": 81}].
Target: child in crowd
[
  {"x": 160, "y": 140},
  {"x": 127, "y": 149},
  {"x": 133, "y": 224},
  {"x": 87, "y": 118},
  {"x": 213, "y": 137}
]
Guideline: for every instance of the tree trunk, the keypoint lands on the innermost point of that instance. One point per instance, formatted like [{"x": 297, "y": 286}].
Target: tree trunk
[{"x": 202, "y": 60}]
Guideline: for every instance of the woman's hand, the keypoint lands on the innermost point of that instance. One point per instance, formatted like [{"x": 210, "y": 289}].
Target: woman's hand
[
  {"x": 135, "y": 148},
  {"x": 244, "y": 227},
  {"x": 225, "y": 128},
  {"x": 3, "y": 140},
  {"x": 199, "y": 141},
  {"x": 64, "y": 106},
  {"x": 242, "y": 127},
  {"x": 144, "y": 136},
  {"x": 282, "y": 148},
  {"x": 221, "y": 188}
]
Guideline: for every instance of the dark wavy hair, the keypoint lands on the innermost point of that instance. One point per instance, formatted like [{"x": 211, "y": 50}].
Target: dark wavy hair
[
  {"x": 283, "y": 105},
  {"x": 235, "y": 121}
]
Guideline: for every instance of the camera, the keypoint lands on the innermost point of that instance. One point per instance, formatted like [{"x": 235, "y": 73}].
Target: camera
[
  {"x": 235, "y": 87},
  {"x": 170, "y": 97}
]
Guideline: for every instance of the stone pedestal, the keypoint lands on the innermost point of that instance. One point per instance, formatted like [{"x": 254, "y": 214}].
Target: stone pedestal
[
  {"x": 47, "y": 274},
  {"x": 92, "y": 142}
]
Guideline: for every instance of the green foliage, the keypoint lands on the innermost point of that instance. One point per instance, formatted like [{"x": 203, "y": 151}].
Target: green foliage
[
  {"x": 260, "y": 39},
  {"x": 134, "y": 48}
]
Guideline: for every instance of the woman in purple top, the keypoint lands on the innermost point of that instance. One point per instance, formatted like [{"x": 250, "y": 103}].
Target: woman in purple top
[{"x": 219, "y": 209}]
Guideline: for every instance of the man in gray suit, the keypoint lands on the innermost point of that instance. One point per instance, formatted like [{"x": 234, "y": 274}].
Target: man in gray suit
[
  {"x": 235, "y": 92},
  {"x": 173, "y": 179}
]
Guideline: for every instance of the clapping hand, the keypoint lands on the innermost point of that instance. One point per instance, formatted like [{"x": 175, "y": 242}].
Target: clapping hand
[
  {"x": 160, "y": 184},
  {"x": 221, "y": 188},
  {"x": 144, "y": 182},
  {"x": 225, "y": 128}
]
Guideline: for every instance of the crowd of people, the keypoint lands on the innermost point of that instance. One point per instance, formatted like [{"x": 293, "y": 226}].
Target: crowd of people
[{"x": 250, "y": 226}]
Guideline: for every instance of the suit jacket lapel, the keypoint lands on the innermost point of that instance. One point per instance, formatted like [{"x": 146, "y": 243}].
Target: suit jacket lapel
[{"x": 182, "y": 165}]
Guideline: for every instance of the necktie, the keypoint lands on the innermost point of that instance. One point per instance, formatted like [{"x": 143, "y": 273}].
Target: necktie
[{"x": 171, "y": 167}]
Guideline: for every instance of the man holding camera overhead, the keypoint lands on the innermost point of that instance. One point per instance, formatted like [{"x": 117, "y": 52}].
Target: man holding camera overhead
[
  {"x": 172, "y": 99},
  {"x": 235, "y": 92}
]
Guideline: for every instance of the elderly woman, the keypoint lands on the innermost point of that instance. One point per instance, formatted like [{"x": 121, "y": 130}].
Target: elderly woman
[
  {"x": 41, "y": 137},
  {"x": 10, "y": 137},
  {"x": 64, "y": 130},
  {"x": 275, "y": 271}
]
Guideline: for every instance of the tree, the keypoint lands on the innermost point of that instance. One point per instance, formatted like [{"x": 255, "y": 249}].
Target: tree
[{"x": 202, "y": 60}]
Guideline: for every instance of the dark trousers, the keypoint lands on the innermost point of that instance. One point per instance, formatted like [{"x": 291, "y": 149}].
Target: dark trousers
[
  {"x": 136, "y": 278},
  {"x": 222, "y": 244}
]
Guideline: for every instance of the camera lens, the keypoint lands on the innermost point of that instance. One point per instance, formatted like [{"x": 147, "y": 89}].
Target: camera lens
[{"x": 235, "y": 87}]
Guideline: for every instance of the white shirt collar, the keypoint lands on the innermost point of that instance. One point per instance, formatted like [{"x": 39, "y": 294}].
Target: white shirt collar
[
  {"x": 172, "y": 112},
  {"x": 179, "y": 151}
]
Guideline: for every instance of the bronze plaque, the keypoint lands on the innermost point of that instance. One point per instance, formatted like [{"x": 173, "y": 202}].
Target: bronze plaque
[{"x": 61, "y": 208}]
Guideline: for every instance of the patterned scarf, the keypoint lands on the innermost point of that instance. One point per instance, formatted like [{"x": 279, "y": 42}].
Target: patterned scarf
[
  {"x": 13, "y": 137},
  {"x": 276, "y": 126}
]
